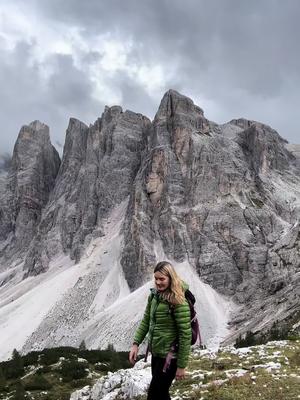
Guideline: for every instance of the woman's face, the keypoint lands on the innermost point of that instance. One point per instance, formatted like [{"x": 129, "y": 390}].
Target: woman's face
[{"x": 162, "y": 282}]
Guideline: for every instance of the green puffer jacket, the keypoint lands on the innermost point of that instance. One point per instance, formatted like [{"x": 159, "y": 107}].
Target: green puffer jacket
[{"x": 163, "y": 328}]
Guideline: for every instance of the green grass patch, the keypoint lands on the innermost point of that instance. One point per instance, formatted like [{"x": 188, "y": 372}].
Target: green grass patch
[{"x": 238, "y": 376}]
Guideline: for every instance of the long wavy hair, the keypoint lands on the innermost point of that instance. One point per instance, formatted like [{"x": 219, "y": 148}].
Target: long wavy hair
[{"x": 174, "y": 294}]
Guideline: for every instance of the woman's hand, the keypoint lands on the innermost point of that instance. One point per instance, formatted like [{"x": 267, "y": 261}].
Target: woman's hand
[
  {"x": 133, "y": 354},
  {"x": 180, "y": 373}
]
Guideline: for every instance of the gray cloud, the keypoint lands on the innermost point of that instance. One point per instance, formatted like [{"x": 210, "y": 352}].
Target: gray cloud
[
  {"x": 26, "y": 95},
  {"x": 196, "y": 31},
  {"x": 135, "y": 97},
  {"x": 234, "y": 58}
]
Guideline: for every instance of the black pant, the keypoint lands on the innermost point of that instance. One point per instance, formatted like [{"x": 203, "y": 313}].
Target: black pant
[{"x": 161, "y": 381}]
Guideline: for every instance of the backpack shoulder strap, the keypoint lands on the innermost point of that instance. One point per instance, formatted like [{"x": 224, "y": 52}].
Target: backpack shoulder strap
[
  {"x": 152, "y": 294},
  {"x": 190, "y": 297}
]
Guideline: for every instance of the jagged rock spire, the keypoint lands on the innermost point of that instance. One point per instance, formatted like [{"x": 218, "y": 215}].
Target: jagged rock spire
[{"x": 34, "y": 168}]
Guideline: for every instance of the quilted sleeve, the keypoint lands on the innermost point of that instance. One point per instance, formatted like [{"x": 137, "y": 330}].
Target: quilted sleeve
[
  {"x": 143, "y": 328},
  {"x": 183, "y": 323}
]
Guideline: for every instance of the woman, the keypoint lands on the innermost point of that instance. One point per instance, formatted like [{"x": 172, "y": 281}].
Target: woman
[{"x": 167, "y": 322}]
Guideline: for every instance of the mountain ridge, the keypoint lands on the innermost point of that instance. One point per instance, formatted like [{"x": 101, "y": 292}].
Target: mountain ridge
[{"x": 222, "y": 200}]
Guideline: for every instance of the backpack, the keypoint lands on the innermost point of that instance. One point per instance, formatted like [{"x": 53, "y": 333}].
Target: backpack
[{"x": 194, "y": 321}]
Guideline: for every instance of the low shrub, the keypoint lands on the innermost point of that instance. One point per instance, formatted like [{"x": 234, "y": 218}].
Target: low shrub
[
  {"x": 37, "y": 382},
  {"x": 72, "y": 369}
]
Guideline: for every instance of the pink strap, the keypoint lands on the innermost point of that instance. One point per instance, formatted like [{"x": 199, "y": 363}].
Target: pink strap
[
  {"x": 168, "y": 361},
  {"x": 169, "y": 357}
]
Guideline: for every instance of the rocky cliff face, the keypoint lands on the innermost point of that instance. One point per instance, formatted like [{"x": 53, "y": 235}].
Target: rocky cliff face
[
  {"x": 225, "y": 199},
  {"x": 98, "y": 168},
  {"x": 31, "y": 178}
]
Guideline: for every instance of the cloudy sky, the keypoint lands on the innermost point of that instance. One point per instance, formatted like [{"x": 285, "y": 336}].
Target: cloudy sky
[{"x": 62, "y": 59}]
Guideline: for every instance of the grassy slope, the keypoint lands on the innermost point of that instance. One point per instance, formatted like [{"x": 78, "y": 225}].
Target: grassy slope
[
  {"x": 44, "y": 371},
  {"x": 265, "y": 372}
]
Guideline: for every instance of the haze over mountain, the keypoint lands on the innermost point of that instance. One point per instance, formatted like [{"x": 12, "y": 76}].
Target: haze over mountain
[{"x": 79, "y": 236}]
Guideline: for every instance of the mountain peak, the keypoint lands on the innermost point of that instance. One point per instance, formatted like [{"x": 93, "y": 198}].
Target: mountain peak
[
  {"x": 174, "y": 102},
  {"x": 33, "y": 134},
  {"x": 38, "y": 125}
]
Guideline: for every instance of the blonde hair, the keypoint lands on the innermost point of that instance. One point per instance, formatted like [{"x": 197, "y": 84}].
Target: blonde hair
[{"x": 174, "y": 294}]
